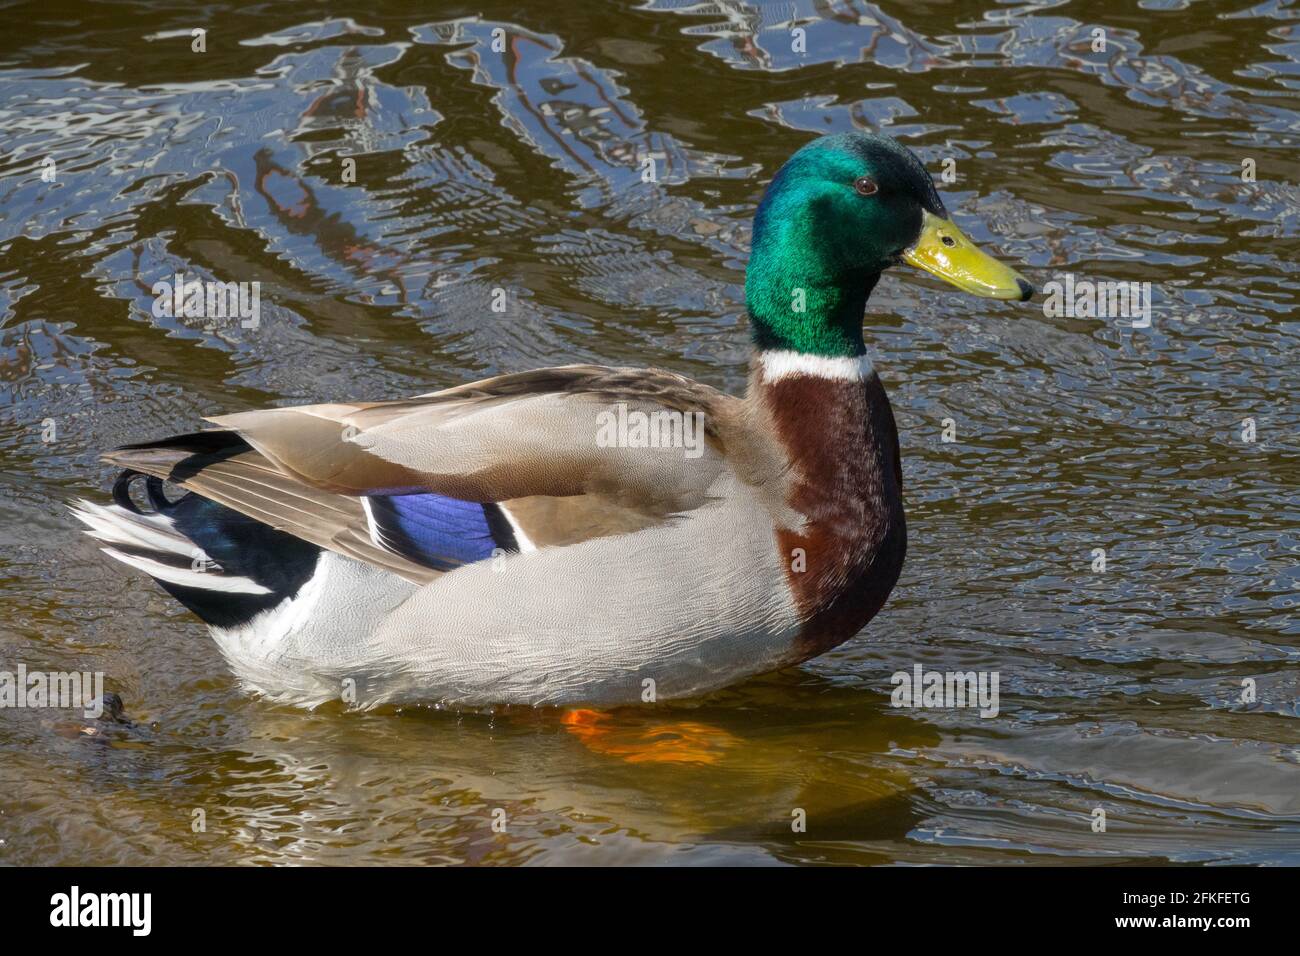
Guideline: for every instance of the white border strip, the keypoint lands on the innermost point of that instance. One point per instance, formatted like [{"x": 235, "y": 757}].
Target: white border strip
[{"x": 779, "y": 364}]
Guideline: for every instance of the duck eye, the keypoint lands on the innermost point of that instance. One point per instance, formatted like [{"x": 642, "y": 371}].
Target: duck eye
[
  {"x": 949, "y": 241},
  {"x": 865, "y": 186}
]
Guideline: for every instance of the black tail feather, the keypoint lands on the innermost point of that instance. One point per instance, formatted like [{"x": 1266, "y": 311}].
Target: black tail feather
[
  {"x": 153, "y": 490},
  {"x": 238, "y": 544}
]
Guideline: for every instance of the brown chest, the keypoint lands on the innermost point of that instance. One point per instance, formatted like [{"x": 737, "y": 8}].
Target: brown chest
[{"x": 845, "y": 554}]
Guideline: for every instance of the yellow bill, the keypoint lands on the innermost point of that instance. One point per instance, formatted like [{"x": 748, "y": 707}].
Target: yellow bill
[{"x": 944, "y": 251}]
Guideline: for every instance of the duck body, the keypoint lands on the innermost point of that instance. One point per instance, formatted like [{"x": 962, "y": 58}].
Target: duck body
[{"x": 501, "y": 543}]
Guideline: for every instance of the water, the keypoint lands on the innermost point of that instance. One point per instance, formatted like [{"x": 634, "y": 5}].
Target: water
[{"x": 479, "y": 169}]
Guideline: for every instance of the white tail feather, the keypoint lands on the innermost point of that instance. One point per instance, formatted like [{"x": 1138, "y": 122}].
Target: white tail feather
[
  {"x": 114, "y": 525},
  {"x": 188, "y": 577}
]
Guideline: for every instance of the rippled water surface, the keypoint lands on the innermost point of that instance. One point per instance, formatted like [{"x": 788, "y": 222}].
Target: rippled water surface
[{"x": 517, "y": 165}]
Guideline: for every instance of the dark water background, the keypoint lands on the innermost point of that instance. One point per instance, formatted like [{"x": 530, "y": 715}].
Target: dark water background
[{"x": 521, "y": 170}]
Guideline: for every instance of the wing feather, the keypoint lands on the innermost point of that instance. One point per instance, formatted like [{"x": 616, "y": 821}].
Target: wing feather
[
  {"x": 514, "y": 436},
  {"x": 530, "y": 441},
  {"x": 250, "y": 485}
]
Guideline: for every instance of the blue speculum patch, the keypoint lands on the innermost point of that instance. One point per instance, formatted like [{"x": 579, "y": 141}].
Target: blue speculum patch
[{"x": 435, "y": 530}]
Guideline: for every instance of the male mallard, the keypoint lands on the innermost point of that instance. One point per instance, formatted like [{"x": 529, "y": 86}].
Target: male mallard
[{"x": 556, "y": 536}]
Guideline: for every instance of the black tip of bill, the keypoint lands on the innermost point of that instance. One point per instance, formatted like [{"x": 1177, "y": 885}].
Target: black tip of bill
[{"x": 1026, "y": 290}]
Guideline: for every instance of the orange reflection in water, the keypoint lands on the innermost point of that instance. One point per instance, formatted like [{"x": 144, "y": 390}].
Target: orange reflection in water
[{"x": 634, "y": 739}]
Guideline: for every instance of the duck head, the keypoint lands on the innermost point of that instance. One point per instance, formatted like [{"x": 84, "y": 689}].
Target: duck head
[{"x": 840, "y": 211}]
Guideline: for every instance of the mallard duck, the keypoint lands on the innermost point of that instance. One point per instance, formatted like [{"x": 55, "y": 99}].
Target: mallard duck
[{"x": 581, "y": 534}]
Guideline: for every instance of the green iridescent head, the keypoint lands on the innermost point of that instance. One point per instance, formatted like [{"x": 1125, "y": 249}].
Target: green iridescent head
[{"x": 839, "y": 212}]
